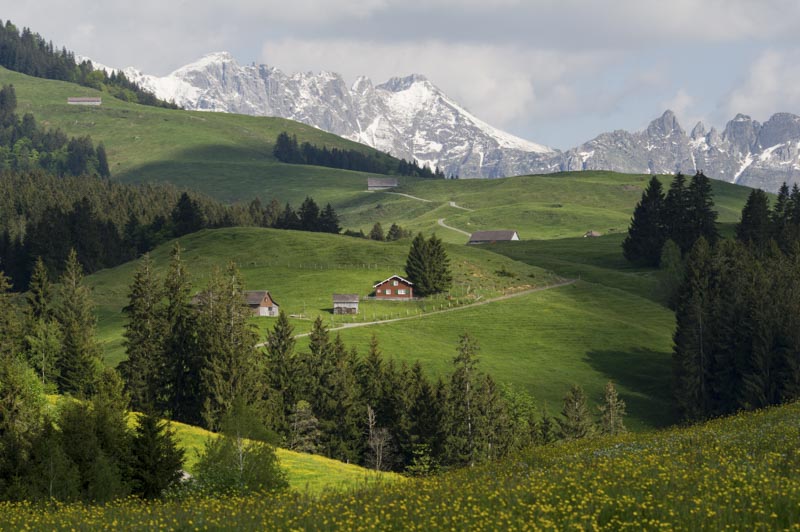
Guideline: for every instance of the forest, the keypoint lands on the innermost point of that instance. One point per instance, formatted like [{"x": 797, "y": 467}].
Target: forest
[
  {"x": 288, "y": 150},
  {"x": 29, "y": 53},
  {"x": 737, "y": 302}
]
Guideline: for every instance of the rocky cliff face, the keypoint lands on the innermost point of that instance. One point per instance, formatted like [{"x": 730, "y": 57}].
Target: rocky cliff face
[{"x": 409, "y": 117}]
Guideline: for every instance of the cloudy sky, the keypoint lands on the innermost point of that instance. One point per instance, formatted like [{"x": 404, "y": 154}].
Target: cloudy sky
[{"x": 557, "y": 72}]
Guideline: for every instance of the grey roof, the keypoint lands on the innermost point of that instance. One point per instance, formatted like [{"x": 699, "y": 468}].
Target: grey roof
[
  {"x": 345, "y": 298},
  {"x": 255, "y": 297},
  {"x": 491, "y": 236},
  {"x": 393, "y": 277},
  {"x": 381, "y": 182}
]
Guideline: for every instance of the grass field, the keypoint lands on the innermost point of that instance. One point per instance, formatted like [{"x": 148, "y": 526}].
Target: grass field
[{"x": 738, "y": 473}]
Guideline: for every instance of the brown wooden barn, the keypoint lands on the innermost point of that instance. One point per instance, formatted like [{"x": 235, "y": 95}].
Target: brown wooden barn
[
  {"x": 345, "y": 303},
  {"x": 261, "y": 303},
  {"x": 395, "y": 287}
]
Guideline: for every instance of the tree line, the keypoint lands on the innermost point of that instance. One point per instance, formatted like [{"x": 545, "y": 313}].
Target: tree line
[
  {"x": 737, "y": 341},
  {"x": 25, "y": 145},
  {"x": 683, "y": 215},
  {"x": 29, "y": 53},
  {"x": 288, "y": 150},
  {"x": 737, "y": 338}
]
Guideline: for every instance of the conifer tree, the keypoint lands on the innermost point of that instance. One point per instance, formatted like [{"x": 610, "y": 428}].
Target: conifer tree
[
  {"x": 692, "y": 354},
  {"x": 754, "y": 228},
  {"x": 79, "y": 363},
  {"x": 612, "y": 412},
  {"x": 309, "y": 215},
  {"x": 677, "y": 222},
  {"x": 145, "y": 368},
  {"x": 646, "y": 233},
  {"x": 40, "y": 293},
  {"x": 329, "y": 220},
  {"x": 157, "y": 459},
  {"x": 460, "y": 445},
  {"x": 9, "y": 321},
  {"x": 304, "y": 433},
  {"x": 281, "y": 371},
  {"x": 417, "y": 266},
  {"x": 376, "y": 233},
  {"x": 670, "y": 275},
  {"x": 102, "y": 161},
  {"x": 231, "y": 369},
  {"x": 181, "y": 349},
  {"x": 441, "y": 277},
  {"x": 701, "y": 210},
  {"x": 575, "y": 421}
]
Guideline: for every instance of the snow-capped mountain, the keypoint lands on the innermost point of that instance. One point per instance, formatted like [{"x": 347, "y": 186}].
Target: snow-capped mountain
[
  {"x": 408, "y": 117},
  {"x": 746, "y": 152}
]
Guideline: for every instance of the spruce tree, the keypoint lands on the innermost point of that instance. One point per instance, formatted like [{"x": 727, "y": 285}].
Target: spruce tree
[
  {"x": 376, "y": 233},
  {"x": 646, "y": 233},
  {"x": 144, "y": 370},
  {"x": 304, "y": 433},
  {"x": 441, "y": 277},
  {"x": 575, "y": 421},
  {"x": 102, "y": 161},
  {"x": 309, "y": 215},
  {"x": 754, "y": 228},
  {"x": 702, "y": 215},
  {"x": 677, "y": 222},
  {"x": 612, "y": 412},
  {"x": 281, "y": 371},
  {"x": 79, "y": 363},
  {"x": 461, "y": 412},
  {"x": 157, "y": 460},
  {"x": 181, "y": 350},
  {"x": 9, "y": 320},
  {"x": 418, "y": 266},
  {"x": 692, "y": 357},
  {"x": 329, "y": 220},
  {"x": 40, "y": 293},
  {"x": 231, "y": 369},
  {"x": 670, "y": 275}
]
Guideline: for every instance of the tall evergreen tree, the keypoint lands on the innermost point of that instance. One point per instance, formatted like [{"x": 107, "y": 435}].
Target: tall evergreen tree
[
  {"x": 281, "y": 373},
  {"x": 144, "y": 371},
  {"x": 701, "y": 210},
  {"x": 79, "y": 363},
  {"x": 40, "y": 293},
  {"x": 754, "y": 228},
  {"x": 9, "y": 320},
  {"x": 309, "y": 215},
  {"x": 418, "y": 266},
  {"x": 157, "y": 460},
  {"x": 441, "y": 277},
  {"x": 576, "y": 421},
  {"x": 646, "y": 234},
  {"x": 670, "y": 275},
  {"x": 376, "y": 233},
  {"x": 461, "y": 413},
  {"x": 232, "y": 370},
  {"x": 677, "y": 222},
  {"x": 329, "y": 220},
  {"x": 102, "y": 161},
  {"x": 187, "y": 216},
  {"x": 692, "y": 354}
]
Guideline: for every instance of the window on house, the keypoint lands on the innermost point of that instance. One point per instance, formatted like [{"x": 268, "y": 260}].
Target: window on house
[
  {"x": 394, "y": 283},
  {"x": 388, "y": 292},
  {"x": 401, "y": 292}
]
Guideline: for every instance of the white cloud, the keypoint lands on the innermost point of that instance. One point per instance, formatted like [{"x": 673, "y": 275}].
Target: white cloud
[
  {"x": 771, "y": 86},
  {"x": 498, "y": 84}
]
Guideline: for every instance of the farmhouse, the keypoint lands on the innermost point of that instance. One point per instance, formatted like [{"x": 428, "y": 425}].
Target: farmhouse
[
  {"x": 84, "y": 101},
  {"x": 345, "y": 303},
  {"x": 394, "y": 288},
  {"x": 261, "y": 303},
  {"x": 381, "y": 183},
  {"x": 489, "y": 237}
]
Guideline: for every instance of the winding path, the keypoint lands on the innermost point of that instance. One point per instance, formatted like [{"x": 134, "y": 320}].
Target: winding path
[
  {"x": 440, "y": 221},
  {"x": 452, "y": 309},
  {"x": 410, "y": 196}
]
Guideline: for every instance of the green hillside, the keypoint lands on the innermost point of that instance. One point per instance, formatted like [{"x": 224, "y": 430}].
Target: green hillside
[{"x": 739, "y": 473}]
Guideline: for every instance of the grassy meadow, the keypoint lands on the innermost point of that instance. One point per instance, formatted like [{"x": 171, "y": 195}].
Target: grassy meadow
[{"x": 740, "y": 473}]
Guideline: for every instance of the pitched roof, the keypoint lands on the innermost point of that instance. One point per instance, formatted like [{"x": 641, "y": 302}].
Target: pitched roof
[
  {"x": 255, "y": 297},
  {"x": 393, "y": 277},
  {"x": 491, "y": 236},
  {"x": 381, "y": 182},
  {"x": 345, "y": 298}
]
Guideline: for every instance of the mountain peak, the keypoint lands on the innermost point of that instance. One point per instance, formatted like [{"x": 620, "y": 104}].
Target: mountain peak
[
  {"x": 665, "y": 125},
  {"x": 207, "y": 60},
  {"x": 400, "y": 84}
]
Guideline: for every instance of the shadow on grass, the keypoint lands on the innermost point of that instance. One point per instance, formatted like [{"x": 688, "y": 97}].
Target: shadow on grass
[{"x": 646, "y": 375}]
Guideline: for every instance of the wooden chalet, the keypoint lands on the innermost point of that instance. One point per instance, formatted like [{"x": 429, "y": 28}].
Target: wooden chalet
[
  {"x": 345, "y": 303},
  {"x": 394, "y": 288},
  {"x": 381, "y": 183},
  {"x": 261, "y": 303},
  {"x": 490, "y": 237}
]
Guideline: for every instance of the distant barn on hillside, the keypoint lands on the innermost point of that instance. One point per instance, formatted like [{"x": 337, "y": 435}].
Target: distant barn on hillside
[
  {"x": 592, "y": 234},
  {"x": 345, "y": 303},
  {"x": 261, "y": 303},
  {"x": 489, "y": 237},
  {"x": 84, "y": 101},
  {"x": 381, "y": 183}
]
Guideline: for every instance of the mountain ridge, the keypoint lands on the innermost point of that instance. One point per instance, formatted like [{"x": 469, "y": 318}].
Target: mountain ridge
[{"x": 409, "y": 117}]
